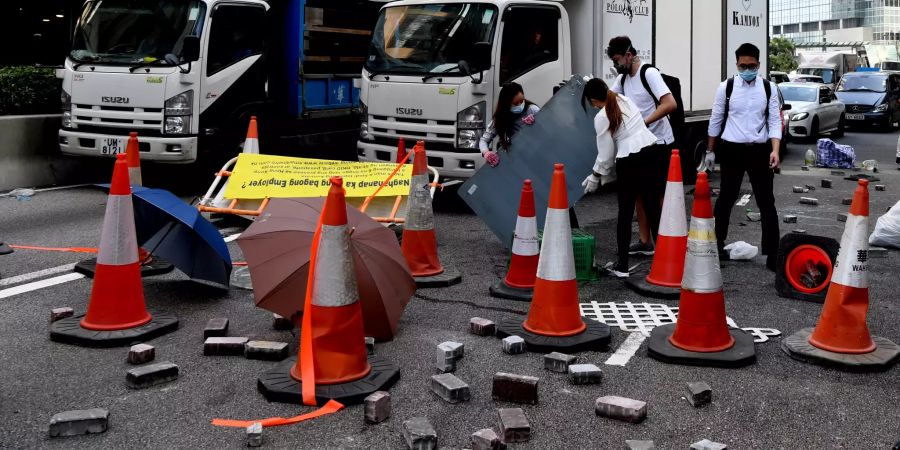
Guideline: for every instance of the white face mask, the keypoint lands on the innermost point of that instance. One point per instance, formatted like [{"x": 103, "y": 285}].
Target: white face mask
[{"x": 517, "y": 109}]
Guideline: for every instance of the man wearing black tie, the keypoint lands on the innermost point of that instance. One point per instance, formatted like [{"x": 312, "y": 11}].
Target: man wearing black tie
[{"x": 746, "y": 116}]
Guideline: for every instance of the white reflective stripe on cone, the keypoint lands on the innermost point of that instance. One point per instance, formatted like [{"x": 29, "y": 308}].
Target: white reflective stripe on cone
[
  {"x": 134, "y": 176},
  {"x": 673, "y": 221},
  {"x": 335, "y": 280},
  {"x": 118, "y": 241},
  {"x": 419, "y": 216},
  {"x": 251, "y": 146},
  {"x": 557, "y": 260},
  {"x": 852, "y": 263},
  {"x": 525, "y": 240},
  {"x": 701, "y": 265}
]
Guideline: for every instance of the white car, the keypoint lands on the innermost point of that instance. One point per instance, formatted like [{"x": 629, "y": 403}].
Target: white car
[{"x": 814, "y": 110}]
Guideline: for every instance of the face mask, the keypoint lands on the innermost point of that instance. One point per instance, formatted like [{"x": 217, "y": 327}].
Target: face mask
[
  {"x": 748, "y": 75},
  {"x": 517, "y": 109},
  {"x": 623, "y": 69}
]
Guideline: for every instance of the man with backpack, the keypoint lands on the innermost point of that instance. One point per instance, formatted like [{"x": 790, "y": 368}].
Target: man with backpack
[
  {"x": 746, "y": 122},
  {"x": 647, "y": 88}
]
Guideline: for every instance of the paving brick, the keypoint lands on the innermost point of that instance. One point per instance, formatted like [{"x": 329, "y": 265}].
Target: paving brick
[
  {"x": 838, "y": 173},
  {"x": 878, "y": 252},
  {"x": 514, "y": 388},
  {"x": 800, "y": 190},
  {"x": 559, "y": 362},
  {"x": 621, "y": 408},
  {"x": 804, "y": 168},
  {"x": 377, "y": 407},
  {"x": 74, "y": 423},
  {"x": 842, "y": 217},
  {"x": 514, "y": 426},
  {"x": 790, "y": 219},
  {"x": 706, "y": 444},
  {"x": 141, "y": 353},
  {"x": 754, "y": 216},
  {"x": 698, "y": 394},
  {"x": 482, "y": 326},
  {"x": 444, "y": 360},
  {"x": 809, "y": 201},
  {"x": 450, "y": 388},
  {"x": 810, "y": 187},
  {"x": 487, "y": 439},
  {"x": 281, "y": 323},
  {"x": 216, "y": 327},
  {"x": 585, "y": 374},
  {"x": 224, "y": 346},
  {"x": 151, "y": 375},
  {"x": 879, "y": 187},
  {"x": 255, "y": 435},
  {"x": 419, "y": 434},
  {"x": 826, "y": 183},
  {"x": 640, "y": 445},
  {"x": 456, "y": 349},
  {"x": 513, "y": 345},
  {"x": 370, "y": 345},
  {"x": 266, "y": 350},
  {"x": 61, "y": 313},
  {"x": 847, "y": 201}
]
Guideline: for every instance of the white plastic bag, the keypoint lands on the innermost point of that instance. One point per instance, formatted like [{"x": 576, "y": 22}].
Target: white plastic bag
[
  {"x": 741, "y": 250},
  {"x": 887, "y": 229}
]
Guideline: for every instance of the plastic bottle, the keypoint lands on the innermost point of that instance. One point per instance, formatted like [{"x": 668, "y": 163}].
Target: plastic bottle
[{"x": 810, "y": 158}]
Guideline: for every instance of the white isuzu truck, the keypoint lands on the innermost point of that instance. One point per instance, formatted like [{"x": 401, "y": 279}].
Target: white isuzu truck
[{"x": 435, "y": 67}]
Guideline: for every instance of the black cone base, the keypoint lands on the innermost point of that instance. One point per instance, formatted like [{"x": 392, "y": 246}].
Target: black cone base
[
  {"x": 637, "y": 282},
  {"x": 69, "y": 331},
  {"x": 155, "y": 267},
  {"x": 5, "y": 249},
  {"x": 277, "y": 385},
  {"x": 886, "y": 353},
  {"x": 595, "y": 337},
  {"x": 502, "y": 290},
  {"x": 447, "y": 278},
  {"x": 743, "y": 352}
]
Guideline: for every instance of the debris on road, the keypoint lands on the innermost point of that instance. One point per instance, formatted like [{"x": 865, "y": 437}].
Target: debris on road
[
  {"x": 487, "y": 439},
  {"x": 419, "y": 434},
  {"x": 141, "y": 353},
  {"x": 826, "y": 183},
  {"x": 266, "y": 350},
  {"x": 281, "y": 323},
  {"x": 800, "y": 190},
  {"x": 370, "y": 345},
  {"x": 879, "y": 187},
  {"x": 699, "y": 393},
  {"x": 621, "y": 408},
  {"x": 585, "y": 374},
  {"x": 842, "y": 217},
  {"x": 224, "y": 346},
  {"x": 514, "y": 425},
  {"x": 74, "y": 423},
  {"x": 847, "y": 201},
  {"x": 61, "y": 313},
  {"x": 706, "y": 444},
  {"x": 482, "y": 327},
  {"x": 450, "y": 388},
  {"x": 514, "y": 388},
  {"x": 790, "y": 219},
  {"x": 513, "y": 345},
  {"x": 559, "y": 362},
  {"x": 640, "y": 445},
  {"x": 151, "y": 375},
  {"x": 377, "y": 407},
  {"x": 445, "y": 357},
  {"x": 216, "y": 327},
  {"x": 809, "y": 201},
  {"x": 255, "y": 435}
]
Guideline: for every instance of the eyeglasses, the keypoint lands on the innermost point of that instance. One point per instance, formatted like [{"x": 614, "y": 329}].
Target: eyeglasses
[{"x": 747, "y": 66}]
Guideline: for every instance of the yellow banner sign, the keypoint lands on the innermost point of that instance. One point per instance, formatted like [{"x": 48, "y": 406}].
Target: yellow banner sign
[{"x": 261, "y": 176}]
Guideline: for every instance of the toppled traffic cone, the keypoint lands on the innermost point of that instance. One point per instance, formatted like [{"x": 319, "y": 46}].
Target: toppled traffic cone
[
  {"x": 133, "y": 155},
  {"x": 116, "y": 313},
  {"x": 519, "y": 281},
  {"x": 841, "y": 339},
  {"x": 701, "y": 335},
  {"x": 664, "y": 279},
  {"x": 554, "y": 320},
  {"x": 333, "y": 362},
  {"x": 401, "y": 150},
  {"x": 419, "y": 244}
]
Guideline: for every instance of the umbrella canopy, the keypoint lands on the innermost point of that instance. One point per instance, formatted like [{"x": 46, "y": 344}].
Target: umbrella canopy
[{"x": 277, "y": 249}]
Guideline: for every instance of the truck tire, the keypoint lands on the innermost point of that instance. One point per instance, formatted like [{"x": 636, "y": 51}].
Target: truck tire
[{"x": 796, "y": 254}]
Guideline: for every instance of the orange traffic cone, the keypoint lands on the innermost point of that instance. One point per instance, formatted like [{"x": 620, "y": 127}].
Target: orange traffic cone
[
  {"x": 133, "y": 154},
  {"x": 251, "y": 143},
  {"x": 701, "y": 335},
  {"x": 116, "y": 313},
  {"x": 519, "y": 281},
  {"x": 841, "y": 338},
  {"x": 554, "y": 320},
  {"x": 664, "y": 279},
  {"x": 419, "y": 243},
  {"x": 401, "y": 150},
  {"x": 333, "y": 361}
]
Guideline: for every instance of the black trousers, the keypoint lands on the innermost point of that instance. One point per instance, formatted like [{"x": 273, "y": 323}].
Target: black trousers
[
  {"x": 636, "y": 176},
  {"x": 735, "y": 159}
]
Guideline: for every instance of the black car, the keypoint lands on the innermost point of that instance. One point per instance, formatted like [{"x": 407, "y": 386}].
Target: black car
[{"x": 871, "y": 98}]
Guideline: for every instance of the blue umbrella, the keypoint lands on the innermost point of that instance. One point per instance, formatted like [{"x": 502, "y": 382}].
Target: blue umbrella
[{"x": 175, "y": 231}]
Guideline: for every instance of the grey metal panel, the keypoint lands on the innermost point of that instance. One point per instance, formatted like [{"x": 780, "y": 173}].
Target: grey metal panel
[{"x": 563, "y": 132}]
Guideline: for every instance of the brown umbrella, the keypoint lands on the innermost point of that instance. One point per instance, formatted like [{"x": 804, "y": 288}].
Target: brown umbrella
[{"x": 277, "y": 249}]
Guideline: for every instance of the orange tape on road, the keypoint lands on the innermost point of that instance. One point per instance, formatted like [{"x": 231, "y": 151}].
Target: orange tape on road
[
  {"x": 57, "y": 249},
  {"x": 331, "y": 407}
]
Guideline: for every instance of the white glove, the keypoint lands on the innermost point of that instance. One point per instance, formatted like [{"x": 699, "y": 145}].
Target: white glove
[
  {"x": 590, "y": 183},
  {"x": 606, "y": 179},
  {"x": 710, "y": 161}
]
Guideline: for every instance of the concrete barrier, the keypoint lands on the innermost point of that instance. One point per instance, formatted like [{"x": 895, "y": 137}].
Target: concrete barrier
[{"x": 30, "y": 156}]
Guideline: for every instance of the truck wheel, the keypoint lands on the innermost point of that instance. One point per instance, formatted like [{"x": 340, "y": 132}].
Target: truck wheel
[
  {"x": 839, "y": 132},
  {"x": 804, "y": 266}
]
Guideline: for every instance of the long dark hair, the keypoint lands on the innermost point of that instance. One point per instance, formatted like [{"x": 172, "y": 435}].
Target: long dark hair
[
  {"x": 596, "y": 89},
  {"x": 503, "y": 117}
]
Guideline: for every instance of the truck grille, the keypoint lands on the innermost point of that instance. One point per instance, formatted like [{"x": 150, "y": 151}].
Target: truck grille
[
  {"x": 117, "y": 116},
  {"x": 439, "y": 135}
]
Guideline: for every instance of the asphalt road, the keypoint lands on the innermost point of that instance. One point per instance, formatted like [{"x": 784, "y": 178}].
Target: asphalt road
[{"x": 777, "y": 403}]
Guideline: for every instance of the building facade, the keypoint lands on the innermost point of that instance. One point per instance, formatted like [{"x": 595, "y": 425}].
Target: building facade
[{"x": 836, "y": 21}]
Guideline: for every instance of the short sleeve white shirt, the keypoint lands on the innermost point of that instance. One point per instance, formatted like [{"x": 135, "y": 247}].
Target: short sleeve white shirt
[{"x": 635, "y": 90}]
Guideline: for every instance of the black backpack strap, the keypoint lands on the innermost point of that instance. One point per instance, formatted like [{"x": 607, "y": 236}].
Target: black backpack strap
[
  {"x": 646, "y": 84},
  {"x": 622, "y": 83},
  {"x": 729, "y": 88},
  {"x": 768, "y": 88}
]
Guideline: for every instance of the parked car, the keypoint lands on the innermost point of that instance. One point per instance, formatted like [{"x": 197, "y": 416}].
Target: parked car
[
  {"x": 803, "y": 78},
  {"x": 778, "y": 77},
  {"x": 814, "y": 110},
  {"x": 871, "y": 98},
  {"x": 785, "y": 131}
]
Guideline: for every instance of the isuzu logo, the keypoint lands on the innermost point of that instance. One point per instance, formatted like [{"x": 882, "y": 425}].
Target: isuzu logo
[
  {"x": 409, "y": 111},
  {"x": 122, "y": 100}
]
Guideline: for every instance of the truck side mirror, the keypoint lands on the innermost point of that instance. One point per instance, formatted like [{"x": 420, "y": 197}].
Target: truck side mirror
[
  {"x": 481, "y": 58},
  {"x": 190, "y": 49}
]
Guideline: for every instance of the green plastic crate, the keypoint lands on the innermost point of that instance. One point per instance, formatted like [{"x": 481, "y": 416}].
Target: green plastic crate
[{"x": 583, "y": 244}]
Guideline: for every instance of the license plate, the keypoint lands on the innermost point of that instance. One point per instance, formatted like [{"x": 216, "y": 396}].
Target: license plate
[
  {"x": 112, "y": 146},
  {"x": 856, "y": 116}
]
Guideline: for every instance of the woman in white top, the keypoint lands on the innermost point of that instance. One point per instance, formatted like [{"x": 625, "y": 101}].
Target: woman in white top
[
  {"x": 513, "y": 112},
  {"x": 622, "y": 137}
]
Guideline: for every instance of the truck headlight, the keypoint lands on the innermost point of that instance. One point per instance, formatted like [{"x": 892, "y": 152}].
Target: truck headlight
[
  {"x": 364, "y": 122},
  {"x": 881, "y": 108},
  {"x": 798, "y": 117},
  {"x": 178, "y": 113},
  {"x": 66, "y": 102},
  {"x": 470, "y": 125}
]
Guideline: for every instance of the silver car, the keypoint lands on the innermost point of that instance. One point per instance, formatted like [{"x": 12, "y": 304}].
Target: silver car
[{"x": 814, "y": 110}]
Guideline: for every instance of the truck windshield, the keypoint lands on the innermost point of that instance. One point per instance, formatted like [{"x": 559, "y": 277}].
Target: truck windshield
[
  {"x": 826, "y": 74},
  {"x": 429, "y": 38},
  {"x": 871, "y": 83},
  {"x": 134, "y": 31}
]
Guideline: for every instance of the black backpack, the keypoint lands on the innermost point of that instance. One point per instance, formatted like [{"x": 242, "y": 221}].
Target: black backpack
[
  {"x": 729, "y": 88},
  {"x": 676, "y": 118}
]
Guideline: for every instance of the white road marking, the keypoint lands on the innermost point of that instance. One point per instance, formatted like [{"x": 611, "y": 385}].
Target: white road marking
[
  {"x": 232, "y": 237},
  {"x": 5, "y": 293},
  {"x": 626, "y": 350},
  {"x": 39, "y": 274},
  {"x": 744, "y": 200}
]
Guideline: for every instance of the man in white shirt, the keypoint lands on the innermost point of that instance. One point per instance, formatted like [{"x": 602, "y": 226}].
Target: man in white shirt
[
  {"x": 655, "y": 104},
  {"x": 749, "y": 125}
]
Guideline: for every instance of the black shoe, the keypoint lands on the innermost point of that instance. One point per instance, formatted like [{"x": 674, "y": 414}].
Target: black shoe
[
  {"x": 770, "y": 262},
  {"x": 723, "y": 254}
]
